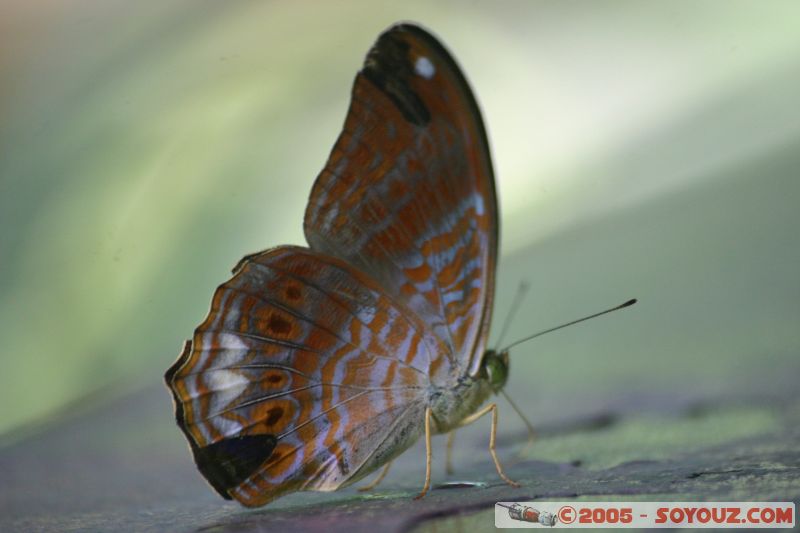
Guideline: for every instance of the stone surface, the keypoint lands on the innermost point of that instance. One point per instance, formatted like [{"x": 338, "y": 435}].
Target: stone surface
[{"x": 120, "y": 464}]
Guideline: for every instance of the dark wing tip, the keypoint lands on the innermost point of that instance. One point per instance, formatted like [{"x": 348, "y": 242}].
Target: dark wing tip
[
  {"x": 403, "y": 31},
  {"x": 391, "y": 69}
]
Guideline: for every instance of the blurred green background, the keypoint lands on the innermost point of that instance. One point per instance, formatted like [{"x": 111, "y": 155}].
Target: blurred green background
[{"x": 646, "y": 149}]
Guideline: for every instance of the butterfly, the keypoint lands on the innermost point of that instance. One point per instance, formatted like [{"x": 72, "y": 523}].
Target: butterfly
[{"x": 318, "y": 365}]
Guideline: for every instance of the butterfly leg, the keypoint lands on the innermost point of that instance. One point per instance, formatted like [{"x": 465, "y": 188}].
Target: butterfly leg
[
  {"x": 448, "y": 462},
  {"x": 492, "y": 437},
  {"x": 377, "y": 480},
  {"x": 428, "y": 454}
]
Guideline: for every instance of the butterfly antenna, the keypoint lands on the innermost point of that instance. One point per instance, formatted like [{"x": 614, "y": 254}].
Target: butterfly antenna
[
  {"x": 521, "y": 290},
  {"x": 515, "y": 407},
  {"x": 621, "y": 306}
]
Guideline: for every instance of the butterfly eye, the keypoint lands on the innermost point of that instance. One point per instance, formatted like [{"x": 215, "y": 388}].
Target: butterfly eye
[{"x": 496, "y": 367}]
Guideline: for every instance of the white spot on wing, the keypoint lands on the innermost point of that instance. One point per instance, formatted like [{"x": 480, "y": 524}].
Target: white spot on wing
[
  {"x": 231, "y": 342},
  {"x": 424, "y": 67},
  {"x": 226, "y": 386}
]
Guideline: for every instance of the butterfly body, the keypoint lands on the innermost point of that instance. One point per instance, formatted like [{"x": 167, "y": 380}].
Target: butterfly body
[
  {"x": 453, "y": 402},
  {"x": 315, "y": 366}
]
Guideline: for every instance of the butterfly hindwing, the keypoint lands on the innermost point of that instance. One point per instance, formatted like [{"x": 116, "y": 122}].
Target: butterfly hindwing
[
  {"x": 300, "y": 355},
  {"x": 408, "y": 191}
]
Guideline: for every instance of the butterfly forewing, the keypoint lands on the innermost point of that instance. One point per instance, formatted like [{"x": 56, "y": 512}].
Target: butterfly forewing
[{"x": 408, "y": 193}]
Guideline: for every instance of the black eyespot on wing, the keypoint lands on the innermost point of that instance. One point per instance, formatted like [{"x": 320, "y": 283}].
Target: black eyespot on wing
[
  {"x": 389, "y": 68},
  {"x": 227, "y": 463}
]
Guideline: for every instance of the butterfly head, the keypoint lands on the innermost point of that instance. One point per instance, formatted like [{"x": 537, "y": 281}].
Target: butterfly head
[{"x": 495, "y": 368}]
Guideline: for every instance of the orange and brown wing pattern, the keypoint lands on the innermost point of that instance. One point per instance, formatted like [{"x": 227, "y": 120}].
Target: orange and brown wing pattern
[
  {"x": 408, "y": 191},
  {"x": 304, "y": 375}
]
